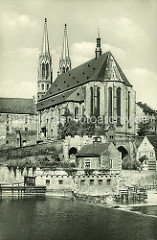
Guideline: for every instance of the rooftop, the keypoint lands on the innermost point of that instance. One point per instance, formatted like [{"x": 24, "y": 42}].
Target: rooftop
[
  {"x": 93, "y": 70},
  {"x": 17, "y": 106},
  {"x": 93, "y": 150}
]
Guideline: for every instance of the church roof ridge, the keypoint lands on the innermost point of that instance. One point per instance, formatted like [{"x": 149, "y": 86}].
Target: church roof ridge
[
  {"x": 92, "y": 70},
  {"x": 72, "y": 79}
]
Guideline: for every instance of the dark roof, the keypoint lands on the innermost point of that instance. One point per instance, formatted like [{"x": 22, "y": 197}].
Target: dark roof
[
  {"x": 146, "y": 108},
  {"x": 93, "y": 150},
  {"x": 73, "y": 95},
  {"x": 17, "y": 106},
  {"x": 93, "y": 70}
]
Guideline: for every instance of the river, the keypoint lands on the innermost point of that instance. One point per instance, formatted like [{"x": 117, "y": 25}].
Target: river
[{"x": 64, "y": 219}]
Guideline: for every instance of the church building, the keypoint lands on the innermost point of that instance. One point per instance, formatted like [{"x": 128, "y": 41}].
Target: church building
[{"x": 98, "y": 87}]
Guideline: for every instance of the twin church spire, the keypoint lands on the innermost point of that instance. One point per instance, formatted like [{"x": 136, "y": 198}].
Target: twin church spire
[
  {"x": 65, "y": 61},
  {"x": 45, "y": 76},
  {"x": 45, "y": 73}
]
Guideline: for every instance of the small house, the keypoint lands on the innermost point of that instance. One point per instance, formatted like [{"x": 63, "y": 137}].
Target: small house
[
  {"x": 146, "y": 153},
  {"x": 99, "y": 155}
]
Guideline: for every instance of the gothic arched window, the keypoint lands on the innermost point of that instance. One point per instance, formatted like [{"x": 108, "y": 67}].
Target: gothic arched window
[
  {"x": 110, "y": 103},
  {"x": 59, "y": 114},
  {"x": 42, "y": 86},
  {"x": 118, "y": 106},
  {"x": 129, "y": 108},
  {"x": 43, "y": 69},
  {"x": 98, "y": 101},
  {"x": 76, "y": 113},
  {"x": 83, "y": 110},
  {"x": 47, "y": 70},
  {"x": 91, "y": 100},
  {"x": 63, "y": 69},
  {"x": 47, "y": 86}
]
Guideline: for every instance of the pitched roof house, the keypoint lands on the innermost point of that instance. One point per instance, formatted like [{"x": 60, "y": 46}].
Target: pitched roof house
[
  {"x": 147, "y": 152},
  {"x": 99, "y": 155}
]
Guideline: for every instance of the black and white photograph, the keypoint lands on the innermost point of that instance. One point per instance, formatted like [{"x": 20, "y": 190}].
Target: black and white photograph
[{"x": 78, "y": 119}]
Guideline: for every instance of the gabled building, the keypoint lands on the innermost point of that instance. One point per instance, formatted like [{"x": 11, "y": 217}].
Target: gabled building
[
  {"x": 147, "y": 152},
  {"x": 99, "y": 156},
  {"x": 18, "y": 122},
  {"x": 98, "y": 87}
]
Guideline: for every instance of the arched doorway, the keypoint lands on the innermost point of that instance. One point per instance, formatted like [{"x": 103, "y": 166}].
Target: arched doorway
[
  {"x": 123, "y": 151},
  {"x": 72, "y": 152},
  {"x": 126, "y": 161}
]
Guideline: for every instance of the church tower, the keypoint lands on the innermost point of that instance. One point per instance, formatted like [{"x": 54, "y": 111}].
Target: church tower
[
  {"x": 45, "y": 65},
  {"x": 98, "y": 50},
  {"x": 65, "y": 61}
]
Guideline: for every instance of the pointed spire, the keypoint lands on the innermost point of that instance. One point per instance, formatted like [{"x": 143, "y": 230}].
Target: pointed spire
[
  {"x": 98, "y": 50},
  {"x": 45, "y": 73},
  {"x": 65, "y": 61},
  {"x": 45, "y": 41}
]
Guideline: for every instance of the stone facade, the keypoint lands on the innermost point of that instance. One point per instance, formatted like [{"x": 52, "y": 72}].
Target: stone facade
[
  {"x": 97, "y": 183},
  {"x": 97, "y": 88},
  {"x": 146, "y": 155},
  {"x": 18, "y": 122}
]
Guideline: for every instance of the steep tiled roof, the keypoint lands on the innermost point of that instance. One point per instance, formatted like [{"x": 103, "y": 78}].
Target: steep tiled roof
[
  {"x": 73, "y": 95},
  {"x": 93, "y": 150},
  {"x": 17, "y": 105},
  {"x": 146, "y": 108},
  {"x": 93, "y": 70}
]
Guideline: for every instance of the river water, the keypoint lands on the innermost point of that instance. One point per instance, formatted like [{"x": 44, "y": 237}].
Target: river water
[{"x": 64, "y": 219}]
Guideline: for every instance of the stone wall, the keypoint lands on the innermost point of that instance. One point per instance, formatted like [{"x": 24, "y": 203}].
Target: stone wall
[
  {"x": 96, "y": 183},
  {"x": 77, "y": 180},
  {"x": 10, "y": 124},
  {"x": 33, "y": 150}
]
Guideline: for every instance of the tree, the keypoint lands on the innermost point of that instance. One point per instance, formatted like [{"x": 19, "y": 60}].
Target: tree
[
  {"x": 60, "y": 130},
  {"x": 100, "y": 129},
  {"x": 144, "y": 128}
]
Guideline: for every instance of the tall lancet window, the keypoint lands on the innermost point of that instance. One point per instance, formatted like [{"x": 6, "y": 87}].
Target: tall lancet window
[
  {"x": 98, "y": 101},
  {"x": 91, "y": 101},
  {"x": 76, "y": 113},
  {"x": 118, "y": 106},
  {"x": 47, "y": 70},
  {"x": 110, "y": 104},
  {"x": 129, "y": 109},
  {"x": 43, "y": 69}
]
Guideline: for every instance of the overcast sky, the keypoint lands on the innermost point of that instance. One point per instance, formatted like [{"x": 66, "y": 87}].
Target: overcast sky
[{"x": 128, "y": 29}]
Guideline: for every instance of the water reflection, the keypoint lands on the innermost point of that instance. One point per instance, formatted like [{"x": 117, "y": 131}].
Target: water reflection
[{"x": 63, "y": 219}]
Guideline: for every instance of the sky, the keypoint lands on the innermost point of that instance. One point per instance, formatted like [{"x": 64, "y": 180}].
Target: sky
[{"x": 128, "y": 29}]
